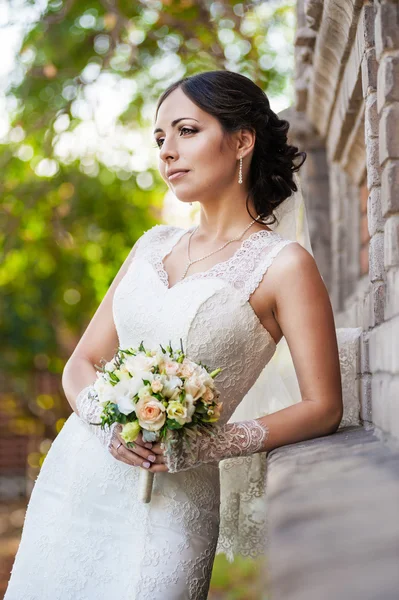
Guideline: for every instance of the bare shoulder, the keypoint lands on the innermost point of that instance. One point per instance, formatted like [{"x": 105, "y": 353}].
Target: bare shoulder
[
  {"x": 292, "y": 257},
  {"x": 295, "y": 271}
]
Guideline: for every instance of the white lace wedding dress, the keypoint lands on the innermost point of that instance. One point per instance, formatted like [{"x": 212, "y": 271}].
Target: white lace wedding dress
[{"x": 86, "y": 536}]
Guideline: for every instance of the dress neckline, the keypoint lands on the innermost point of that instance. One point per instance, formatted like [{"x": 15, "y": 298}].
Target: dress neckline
[{"x": 163, "y": 274}]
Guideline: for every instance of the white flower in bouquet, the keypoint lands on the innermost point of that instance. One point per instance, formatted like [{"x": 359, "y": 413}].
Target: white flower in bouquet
[
  {"x": 170, "y": 385},
  {"x": 140, "y": 363},
  {"x": 124, "y": 394},
  {"x": 104, "y": 390}
]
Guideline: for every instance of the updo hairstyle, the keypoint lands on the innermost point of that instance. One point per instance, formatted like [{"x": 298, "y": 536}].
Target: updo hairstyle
[{"x": 238, "y": 103}]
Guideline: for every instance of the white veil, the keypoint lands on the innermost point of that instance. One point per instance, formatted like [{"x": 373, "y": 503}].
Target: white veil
[
  {"x": 243, "y": 507},
  {"x": 243, "y": 527}
]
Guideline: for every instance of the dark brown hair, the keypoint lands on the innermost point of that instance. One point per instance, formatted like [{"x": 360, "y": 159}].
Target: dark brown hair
[{"x": 238, "y": 103}]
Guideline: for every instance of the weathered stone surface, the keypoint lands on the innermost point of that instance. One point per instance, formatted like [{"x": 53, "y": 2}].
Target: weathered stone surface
[
  {"x": 369, "y": 72},
  {"x": 392, "y": 301},
  {"x": 366, "y": 412},
  {"x": 371, "y": 120},
  {"x": 386, "y": 27},
  {"x": 374, "y": 214},
  {"x": 373, "y": 162},
  {"x": 333, "y": 514},
  {"x": 391, "y": 242},
  {"x": 390, "y": 187},
  {"x": 389, "y": 138},
  {"x": 376, "y": 257},
  {"x": 388, "y": 81}
]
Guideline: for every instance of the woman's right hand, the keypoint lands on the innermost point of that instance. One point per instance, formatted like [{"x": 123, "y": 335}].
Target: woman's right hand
[{"x": 138, "y": 455}]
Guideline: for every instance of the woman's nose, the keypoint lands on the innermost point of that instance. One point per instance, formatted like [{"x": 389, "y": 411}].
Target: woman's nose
[{"x": 167, "y": 151}]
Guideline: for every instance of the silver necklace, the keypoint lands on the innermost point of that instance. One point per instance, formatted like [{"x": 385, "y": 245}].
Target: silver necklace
[{"x": 191, "y": 262}]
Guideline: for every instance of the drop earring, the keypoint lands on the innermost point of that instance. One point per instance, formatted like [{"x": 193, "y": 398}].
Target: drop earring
[{"x": 240, "y": 171}]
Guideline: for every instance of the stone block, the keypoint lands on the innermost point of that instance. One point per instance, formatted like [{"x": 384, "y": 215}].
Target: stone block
[
  {"x": 389, "y": 138},
  {"x": 366, "y": 412},
  {"x": 371, "y": 119},
  {"x": 364, "y": 355},
  {"x": 332, "y": 507},
  {"x": 373, "y": 162},
  {"x": 388, "y": 81},
  {"x": 374, "y": 214},
  {"x": 390, "y": 188},
  {"x": 386, "y": 28},
  {"x": 366, "y": 312},
  {"x": 368, "y": 17},
  {"x": 377, "y": 303},
  {"x": 391, "y": 241},
  {"x": 376, "y": 257},
  {"x": 380, "y": 405},
  {"x": 369, "y": 72},
  {"x": 392, "y": 293}
]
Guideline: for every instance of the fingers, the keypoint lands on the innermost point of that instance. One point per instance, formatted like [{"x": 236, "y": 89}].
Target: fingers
[
  {"x": 130, "y": 458},
  {"x": 141, "y": 453}
]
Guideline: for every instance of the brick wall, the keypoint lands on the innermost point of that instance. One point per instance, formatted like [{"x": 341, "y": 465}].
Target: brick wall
[{"x": 347, "y": 82}]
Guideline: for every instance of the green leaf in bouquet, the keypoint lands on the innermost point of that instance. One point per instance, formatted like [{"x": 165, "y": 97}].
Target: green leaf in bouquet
[
  {"x": 172, "y": 424},
  {"x": 200, "y": 408},
  {"x": 146, "y": 382},
  {"x": 141, "y": 347},
  {"x": 163, "y": 349}
]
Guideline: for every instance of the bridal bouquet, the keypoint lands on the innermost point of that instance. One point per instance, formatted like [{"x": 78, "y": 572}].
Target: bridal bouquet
[{"x": 154, "y": 391}]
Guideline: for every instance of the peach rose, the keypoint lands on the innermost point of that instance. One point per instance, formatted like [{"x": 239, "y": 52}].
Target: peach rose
[
  {"x": 208, "y": 396},
  {"x": 150, "y": 413}
]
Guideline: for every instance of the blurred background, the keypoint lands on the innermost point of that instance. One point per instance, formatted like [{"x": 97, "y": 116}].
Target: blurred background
[{"x": 78, "y": 86}]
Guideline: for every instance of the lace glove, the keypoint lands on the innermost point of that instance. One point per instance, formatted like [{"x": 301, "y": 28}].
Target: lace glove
[
  {"x": 89, "y": 410},
  {"x": 211, "y": 446}
]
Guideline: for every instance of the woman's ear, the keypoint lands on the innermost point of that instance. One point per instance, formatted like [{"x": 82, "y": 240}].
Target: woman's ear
[{"x": 245, "y": 142}]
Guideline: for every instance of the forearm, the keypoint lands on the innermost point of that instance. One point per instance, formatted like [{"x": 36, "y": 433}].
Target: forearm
[
  {"x": 302, "y": 421},
  {"x": 296, "y": 423},
  {"x": 78, "y": 374}
]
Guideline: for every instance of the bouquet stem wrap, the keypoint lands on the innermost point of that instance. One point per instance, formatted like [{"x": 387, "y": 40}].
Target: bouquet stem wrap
[{"x": 146, "y": 481}]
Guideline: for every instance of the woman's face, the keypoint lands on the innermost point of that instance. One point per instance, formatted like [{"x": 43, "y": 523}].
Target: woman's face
[{"x": 191, "y": 141}]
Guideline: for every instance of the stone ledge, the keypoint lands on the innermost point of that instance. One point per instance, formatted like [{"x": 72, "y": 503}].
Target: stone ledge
[{"x": 333, "y": 518}]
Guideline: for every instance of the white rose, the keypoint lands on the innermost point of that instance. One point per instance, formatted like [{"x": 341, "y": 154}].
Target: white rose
[
  {"x": 170, "y": 385},
  {"x": 190, "y": 406},
  {"x": 105, "y": 390},
  {"x": 140, "y": 362},
  {"x": 124, "y": 397}
]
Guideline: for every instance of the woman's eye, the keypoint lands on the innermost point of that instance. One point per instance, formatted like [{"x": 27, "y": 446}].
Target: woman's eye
[
  {"x": 187, "y": 129},
  {"x": 159, "y": 141}
]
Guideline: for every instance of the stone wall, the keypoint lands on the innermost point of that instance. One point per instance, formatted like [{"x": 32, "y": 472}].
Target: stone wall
[{"x": 347, "y": 118}]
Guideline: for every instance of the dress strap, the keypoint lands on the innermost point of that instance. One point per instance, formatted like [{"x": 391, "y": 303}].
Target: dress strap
[
  {"x": 153, "y": 239},
  {"x": 262, "y": 261}
]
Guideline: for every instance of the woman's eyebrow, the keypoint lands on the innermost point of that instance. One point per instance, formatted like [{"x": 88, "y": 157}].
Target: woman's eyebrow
[{"x": 175, "y": 122}]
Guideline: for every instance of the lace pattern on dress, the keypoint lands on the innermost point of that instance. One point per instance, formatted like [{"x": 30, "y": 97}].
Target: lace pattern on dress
[{"x": 225, "y": 441}]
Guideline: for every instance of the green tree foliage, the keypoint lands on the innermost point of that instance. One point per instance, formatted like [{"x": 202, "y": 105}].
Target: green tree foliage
[{"x": 71, "y": 208}]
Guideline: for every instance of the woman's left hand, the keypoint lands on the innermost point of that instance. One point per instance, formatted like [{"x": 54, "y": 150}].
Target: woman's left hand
[{"x": 141, "y": 451}]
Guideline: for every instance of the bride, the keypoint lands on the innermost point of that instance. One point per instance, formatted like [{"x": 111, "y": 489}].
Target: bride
[{"x": 231, "y": 288}]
